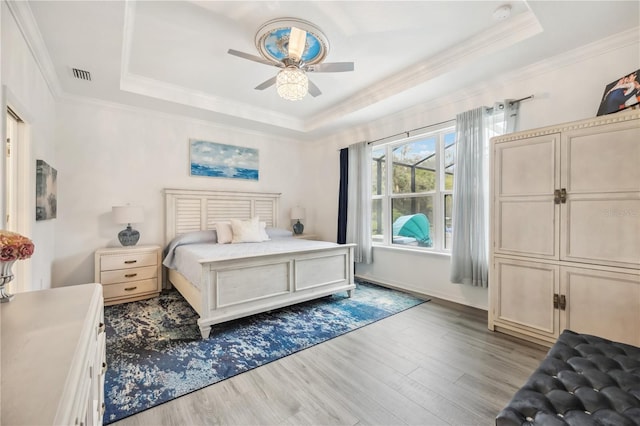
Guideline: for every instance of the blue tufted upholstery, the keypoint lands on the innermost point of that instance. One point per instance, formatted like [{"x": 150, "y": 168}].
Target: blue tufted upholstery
[{"x": 583, "y": 381}]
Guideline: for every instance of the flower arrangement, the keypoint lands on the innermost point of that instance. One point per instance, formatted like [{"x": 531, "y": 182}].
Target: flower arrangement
[{"x": 14, "y": 246}]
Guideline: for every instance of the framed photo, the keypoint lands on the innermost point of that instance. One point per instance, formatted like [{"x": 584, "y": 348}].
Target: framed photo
[
  {"x": 621, "y": 94},
  {"x": 46, "y": 196},
  {"x": 213, "y": 159}
]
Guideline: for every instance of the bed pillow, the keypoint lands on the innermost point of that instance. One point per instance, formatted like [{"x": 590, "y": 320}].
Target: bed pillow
[
  {"x": 263, "y": 231},
  {"x": 225, "y": 234},
  {"x": 188, "y": 238},
  {"x": 278, "y": 233},
  {"x": 246, "y": 231}
]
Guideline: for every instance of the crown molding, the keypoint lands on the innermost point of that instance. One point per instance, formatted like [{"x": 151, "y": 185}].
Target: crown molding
[
  {"x": 520, "y": 27},
  {"x": 23, "y": 16},
  {"x": 146, "y": 86},
  {"x": 154, "y": 113},
  {"x": 579, "y": 54},
  {"x": 582, "y": 53},
  {"x": 181, "y": 95},
  {"x": 618, "y": 117}
]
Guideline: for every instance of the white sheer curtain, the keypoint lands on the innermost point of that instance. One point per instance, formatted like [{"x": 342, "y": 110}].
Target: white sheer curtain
[
  {"x": 359, "y": 201},
  {"x": 470, "y": 248}
]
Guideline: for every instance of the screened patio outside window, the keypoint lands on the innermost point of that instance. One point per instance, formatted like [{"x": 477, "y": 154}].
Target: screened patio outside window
[{"x": 412, "y": 199}]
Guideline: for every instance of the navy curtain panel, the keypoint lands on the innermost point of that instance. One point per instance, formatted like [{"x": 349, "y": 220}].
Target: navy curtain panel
[{"x": 342, "y": 196}]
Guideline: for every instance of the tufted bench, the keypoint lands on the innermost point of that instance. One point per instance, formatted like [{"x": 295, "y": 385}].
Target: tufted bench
[{"x": 584, "y": 380}]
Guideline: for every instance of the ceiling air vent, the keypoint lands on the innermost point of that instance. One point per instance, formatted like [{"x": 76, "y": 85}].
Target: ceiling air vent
[{"x": 81, "y": 74}]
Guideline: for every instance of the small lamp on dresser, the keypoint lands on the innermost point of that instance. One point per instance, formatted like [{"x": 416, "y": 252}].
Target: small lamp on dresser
[
  {"x": 128, "y": 215},
  {"x": 297, "y": 214}
]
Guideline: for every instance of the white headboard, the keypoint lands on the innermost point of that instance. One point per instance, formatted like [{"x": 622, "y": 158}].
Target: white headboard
[{"x": 188, "y": 210}]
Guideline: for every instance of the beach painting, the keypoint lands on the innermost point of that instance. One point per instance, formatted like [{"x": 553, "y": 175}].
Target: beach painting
[{"x": 213, "y": 159}]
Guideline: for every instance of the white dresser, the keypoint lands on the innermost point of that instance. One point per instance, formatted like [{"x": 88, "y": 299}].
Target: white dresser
[
  {"x": 53, "y": 357},
  {"x": 129, "y": 273},
  {"x": 566, "y": 230}
]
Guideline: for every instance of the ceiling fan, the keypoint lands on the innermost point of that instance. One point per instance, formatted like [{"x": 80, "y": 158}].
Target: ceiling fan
[{"x": 297, "y": 47}]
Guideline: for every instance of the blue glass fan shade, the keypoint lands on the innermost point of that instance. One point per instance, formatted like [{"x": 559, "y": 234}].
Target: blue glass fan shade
[
  {"x": 276, "y": 45},
  {"x": 272, "y": 41}
]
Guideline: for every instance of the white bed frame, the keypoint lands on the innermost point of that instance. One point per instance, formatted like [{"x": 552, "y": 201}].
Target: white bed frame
[{"x": 236, "y": 288}]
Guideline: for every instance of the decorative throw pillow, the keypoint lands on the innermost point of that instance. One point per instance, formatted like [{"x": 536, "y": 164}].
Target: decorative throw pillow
[
  {"x": 225, "y": 233},
  {"x": 246, "y": 231},
  {"x": 263, "y": 231}
]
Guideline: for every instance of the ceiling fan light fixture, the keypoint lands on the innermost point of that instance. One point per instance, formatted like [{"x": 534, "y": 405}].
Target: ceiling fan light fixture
[{"x": 292, "y": 83}]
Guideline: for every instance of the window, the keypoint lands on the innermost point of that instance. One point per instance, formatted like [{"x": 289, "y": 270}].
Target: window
[{"x": 412, "y": 196}]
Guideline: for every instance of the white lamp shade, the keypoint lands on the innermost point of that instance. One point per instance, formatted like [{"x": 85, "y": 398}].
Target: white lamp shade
[
  {"x": 297, "y": 213},
  {"x": 128, "y": 214}
]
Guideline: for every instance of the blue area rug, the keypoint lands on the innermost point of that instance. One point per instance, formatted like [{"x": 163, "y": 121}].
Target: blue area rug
[{"x": 155, "y": 352}]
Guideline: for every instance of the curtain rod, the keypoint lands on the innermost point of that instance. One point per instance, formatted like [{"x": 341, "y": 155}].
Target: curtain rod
[{"x": 438, "y": 124}]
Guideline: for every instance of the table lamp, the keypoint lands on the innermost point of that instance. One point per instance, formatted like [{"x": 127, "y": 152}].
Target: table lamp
[
  {"x": 128, "y": 215},
  {"x": 297, "y": 213}
]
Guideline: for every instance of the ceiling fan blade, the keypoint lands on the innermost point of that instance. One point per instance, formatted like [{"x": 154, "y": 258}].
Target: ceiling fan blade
[
  {"x": 266, "y": 84},
  {"x": 313, "y": 89},
  {"x": 331, "y": 67},
  {"x": 297, "y": 42},
  {"x": 250, "y": 57}
]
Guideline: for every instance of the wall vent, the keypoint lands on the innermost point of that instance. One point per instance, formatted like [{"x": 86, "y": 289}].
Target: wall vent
[{"x": 81, "y": 74}]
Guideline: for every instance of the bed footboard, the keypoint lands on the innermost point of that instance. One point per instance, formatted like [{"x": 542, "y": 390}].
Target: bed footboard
[{"x": 237, "y": 288}]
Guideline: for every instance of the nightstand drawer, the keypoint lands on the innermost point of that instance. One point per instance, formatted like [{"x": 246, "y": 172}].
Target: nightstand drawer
[
  {"x": 132, "y": 260},
  {"x": 127, "y": 275},
  {"x": 113, "y": 291}
]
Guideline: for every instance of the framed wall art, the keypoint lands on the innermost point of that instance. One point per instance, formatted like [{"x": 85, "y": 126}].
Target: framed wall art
[
  {"x": 621, "y": 94},
  {"x": 46, "y": 188},
  {"x": 214, "y": 159}
]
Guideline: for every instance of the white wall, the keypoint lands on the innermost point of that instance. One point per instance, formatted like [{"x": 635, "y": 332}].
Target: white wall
[
  {"x": 28, "y": 94},
  {"x": 566, "y": 88},
  {"x": 109, "y": 155}
]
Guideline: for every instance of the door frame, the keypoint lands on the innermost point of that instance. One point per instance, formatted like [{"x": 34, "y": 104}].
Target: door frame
[{"x": 25, "y": 187}]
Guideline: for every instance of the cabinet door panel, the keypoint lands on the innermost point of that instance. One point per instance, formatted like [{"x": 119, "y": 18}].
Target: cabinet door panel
[
  {"x": 602, "y": 303},
  {"x": 526, "y": 227},
  {"x": 602, "y": 229},
  {"x": 602, "y": 159},
  {"x": 524, "y": 295},
  {"x": 525, "y": 218},
  {"x": 526, "y": 167}
]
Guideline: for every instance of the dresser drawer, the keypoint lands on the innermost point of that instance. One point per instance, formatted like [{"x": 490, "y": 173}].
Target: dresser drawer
[
  {"x": 113, "y": 291},
  {"x": 127, "y": 275},
  {"x": 132, "y": 260}
]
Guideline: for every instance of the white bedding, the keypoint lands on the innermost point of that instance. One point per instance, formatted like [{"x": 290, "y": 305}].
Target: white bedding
[{"x": 187, "y": 259}]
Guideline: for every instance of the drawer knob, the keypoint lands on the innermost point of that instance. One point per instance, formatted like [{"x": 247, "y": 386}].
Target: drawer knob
[
  {"x": 130, "y": 261},
  {"x": 102, "y": 408},
  {"x": 101, "y": 328},
  {"x": 130, "y": 288},
  {"x": 130, "y": 275},
  {"x": 104, "y": 368}
]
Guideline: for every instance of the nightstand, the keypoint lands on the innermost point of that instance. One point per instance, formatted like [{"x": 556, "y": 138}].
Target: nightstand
[
  {"x": 306, "y": 236},
  {"x": 129, "y": 273}
]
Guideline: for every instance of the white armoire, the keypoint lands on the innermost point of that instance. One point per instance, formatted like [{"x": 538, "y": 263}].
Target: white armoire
[{"x": 565, "y": 227}]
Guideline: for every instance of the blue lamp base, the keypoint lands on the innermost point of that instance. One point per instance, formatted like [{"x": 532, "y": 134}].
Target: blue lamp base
[
  {"x": 298, "y": 228},
  {"x": 128, "y": 236}
]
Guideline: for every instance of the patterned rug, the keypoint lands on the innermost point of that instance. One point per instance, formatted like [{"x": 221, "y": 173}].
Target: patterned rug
[{"x": 155, "y": 352}]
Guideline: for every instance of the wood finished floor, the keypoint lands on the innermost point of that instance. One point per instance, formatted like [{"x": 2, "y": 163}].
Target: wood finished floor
[{"x": 434, "y": 364}]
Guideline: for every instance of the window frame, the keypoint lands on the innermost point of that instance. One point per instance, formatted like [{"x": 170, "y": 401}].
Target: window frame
[{"x": 437, "y": 195}]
